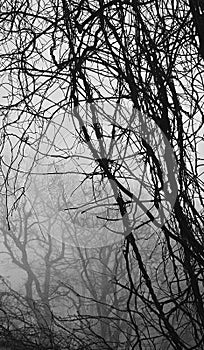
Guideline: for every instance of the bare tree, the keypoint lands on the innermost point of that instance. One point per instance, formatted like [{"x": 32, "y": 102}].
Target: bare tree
[
  {"x": 62, "y": 63},
  {"x": 31, "y": 249}
]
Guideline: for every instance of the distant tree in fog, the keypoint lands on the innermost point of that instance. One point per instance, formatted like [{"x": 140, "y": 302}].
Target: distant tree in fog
[{"x": 62, "y": 63}]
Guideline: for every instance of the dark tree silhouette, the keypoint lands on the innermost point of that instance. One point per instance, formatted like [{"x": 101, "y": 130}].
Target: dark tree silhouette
[{"x": 62, "y": 63}]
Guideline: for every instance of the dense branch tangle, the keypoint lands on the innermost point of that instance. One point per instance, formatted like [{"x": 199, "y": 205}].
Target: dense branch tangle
[{"x": 58, "y": 55}]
